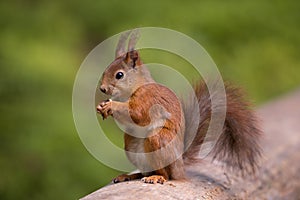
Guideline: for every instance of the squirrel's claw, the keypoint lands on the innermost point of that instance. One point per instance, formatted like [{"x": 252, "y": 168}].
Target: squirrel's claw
[{"x": 154, "y": 179}]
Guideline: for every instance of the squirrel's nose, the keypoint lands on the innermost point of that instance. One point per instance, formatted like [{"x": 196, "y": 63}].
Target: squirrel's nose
[{"x": 103, "y": 89}]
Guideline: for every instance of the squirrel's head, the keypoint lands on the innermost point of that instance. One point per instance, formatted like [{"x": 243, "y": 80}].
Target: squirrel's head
[{"x": 126, "y": 73}]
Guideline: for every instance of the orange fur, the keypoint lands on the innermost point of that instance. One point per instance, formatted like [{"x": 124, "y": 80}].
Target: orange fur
[{"x": 137, "y": 101}]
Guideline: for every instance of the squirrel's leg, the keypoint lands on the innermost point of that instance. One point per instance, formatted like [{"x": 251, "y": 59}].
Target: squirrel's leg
[
  {"x": 177, "y": 169},
  {"x": 160, "y": 140},
  {"x": 173, "y": 171},
  {"x": 127, "y": 177}
]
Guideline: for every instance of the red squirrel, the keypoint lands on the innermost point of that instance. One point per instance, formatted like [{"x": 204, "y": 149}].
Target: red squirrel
[{"x": 134, "y": 93}]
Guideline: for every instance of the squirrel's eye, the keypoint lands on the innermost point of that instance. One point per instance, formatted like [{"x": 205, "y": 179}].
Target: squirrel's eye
[{"x": 119, "y": 75}]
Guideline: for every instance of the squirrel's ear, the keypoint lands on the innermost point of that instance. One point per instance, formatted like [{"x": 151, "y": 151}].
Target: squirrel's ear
[
  {"x": 120, "y": 50},
  {"x": 133, "y": 58}
]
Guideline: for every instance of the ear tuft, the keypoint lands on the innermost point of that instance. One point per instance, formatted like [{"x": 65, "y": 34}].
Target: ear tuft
[
  {"x": 132, "y": 57},
  {"x": 120, "y": 50}
]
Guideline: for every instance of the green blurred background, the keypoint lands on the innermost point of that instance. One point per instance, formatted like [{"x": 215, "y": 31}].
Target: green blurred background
[{"x": 255, "y": 44}]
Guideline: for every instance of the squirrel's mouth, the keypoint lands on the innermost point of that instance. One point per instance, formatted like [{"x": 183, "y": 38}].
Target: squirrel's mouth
[
  {"x": 109, "y": 92},
  {"x": 106, "y": 90}
]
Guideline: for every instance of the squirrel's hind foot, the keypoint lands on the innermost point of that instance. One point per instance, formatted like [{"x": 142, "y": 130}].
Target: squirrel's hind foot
[{"x": 154, "y": 179}]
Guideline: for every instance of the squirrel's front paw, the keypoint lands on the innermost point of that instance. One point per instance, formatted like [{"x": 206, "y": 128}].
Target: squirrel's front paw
[
  {"x": 104, "y": 108},
  {"x": 154, "y": 179}
]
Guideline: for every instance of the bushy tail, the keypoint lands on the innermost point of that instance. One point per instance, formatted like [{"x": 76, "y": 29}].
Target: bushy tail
[{"x": 236, "y": 144}]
